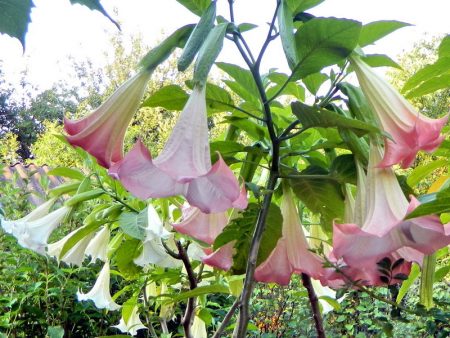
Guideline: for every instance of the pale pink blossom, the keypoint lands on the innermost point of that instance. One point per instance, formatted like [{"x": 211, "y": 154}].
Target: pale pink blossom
[
  {"x": 102, "y": 132},
  {"x": 410, "y": 131}
]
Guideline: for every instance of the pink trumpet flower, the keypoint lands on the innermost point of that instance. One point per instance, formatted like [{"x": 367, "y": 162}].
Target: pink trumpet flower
[
  {"x": 291, "y": 253},
  {"x": 384, "y": 232},
  {"x": 410, "y": 130},
  {"x": 102, "y": 132},
  {"x": 184, "y": 166},
  {"x": 201, "y": 226}
]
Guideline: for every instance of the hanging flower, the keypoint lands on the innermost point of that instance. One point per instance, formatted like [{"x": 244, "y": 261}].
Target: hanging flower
[
  {"x": 184, "y": 165},
  {"x": 12, "y": 227},
  {"x": 98, "y": 246},
  {"x": 102, "y": 132},
  {"x": 99, "y": 294},
  {"x": 75, "y": 255},
  {"x": 132, "y": 325},
  {"x": 34, "y": 234},
  {"x": 201, "y": 226},
  {"x": 291, "y": 253},
  {"x": 410, "y": 130},
  {"x": 384, "y": 232},
  {"x": 198, "y": 329},
  {"x": 222, "y": 258}
]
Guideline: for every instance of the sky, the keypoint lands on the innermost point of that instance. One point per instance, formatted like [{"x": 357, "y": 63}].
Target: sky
[{"x": 59, "y": 29}]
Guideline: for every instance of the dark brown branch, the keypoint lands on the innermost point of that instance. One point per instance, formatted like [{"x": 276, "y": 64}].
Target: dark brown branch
[{"x": 314, "y": 301}]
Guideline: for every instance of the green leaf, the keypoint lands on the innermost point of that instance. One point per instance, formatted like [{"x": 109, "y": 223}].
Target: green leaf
[
  {"x": 440, "y": 273},
  {"x": 423, "y": 170},
  {"x": 374, "y": 31},
  {"x": 343, "y": 169},
  {"x": 218, "y": 99},
  {"x": 430, "y": 86},
  {"x": 161, "y": 52},
  {"x": 208, "y": 53},
  {"x": 226, "y": 148},
  {"x": 171, "y": 97},
  {"x": 444, "y": 47},
  {"x": 67, "y": 172},
  {"x": 380, "y": 60},
  {"x": 127, "y": 251},
  {"x": 323, "y": 42},
  {"x": 314, "y": 81},
  {"x": 199, "y": 291},
  {"x": 312, "y": 117},
  {"x": 15, "y": 17},
  {"x": 134, "y": 224},
  {"x": 206, "y": 316},
  {"x": 291, "y": 88},
  {"x": 197, "y": 37},
  {"x": 55, "y": 332},
  {"x": 406, "y": 285},
  {"x": 286, "y": 29},
  {"x": 333, "y": 302},
  {"x": 427, "y": 73},
  {"x": 244, "y": 27},
  {"x": 95, "y": 5},
  {"x": 298, "y": 6},
  {"x": 254, "y": 130},
  {"x": 320, "y": 195},
  {"x": 195, "y": 6},
  {"x": 243, "y": 78},
  {"x": 439, "y": 203}
]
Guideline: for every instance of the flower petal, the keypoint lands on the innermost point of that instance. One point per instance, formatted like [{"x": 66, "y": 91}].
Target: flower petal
[{"x": 221, "y": 258}]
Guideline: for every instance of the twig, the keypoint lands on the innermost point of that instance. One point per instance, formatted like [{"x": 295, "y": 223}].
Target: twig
[
  {"x": 188, "y": 314},
  {"x": 227, "y": 319},
  {"x": 314, "y": 301}
]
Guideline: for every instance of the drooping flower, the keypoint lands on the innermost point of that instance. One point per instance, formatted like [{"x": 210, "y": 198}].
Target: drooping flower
[
  {"x": 384, "y": 232},
  {"x": 410, "y": 130},
  {"x": 102, "y": 132},
  {"x": 75, "y": 255},
  {"x": 291, "y": 253},
  {"x": 153, "y": 251},
  {"x": 222, "y": 258},
  {"x": 132, "y": 325},
  {"x": 12, "y": 227},
  {"x": 99, "y": 293},
  {"x": 201, "y": 226},
  {"x": 34, "y": 234},
  {"x": 98, "y": 246},
  {"x": 184, "y": 165},
  {"x": 198, "y": 329}
]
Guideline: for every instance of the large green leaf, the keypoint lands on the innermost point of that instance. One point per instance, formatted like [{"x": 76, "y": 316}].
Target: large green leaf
[
  {"x": 253, "y": 129},
  {"x": 195, "y": 6},
  {"x": 95, "y": 5},
  {"x": 440, "y": 67},
  {"x": 430, "y": 86},
  {"x": 286, "y": 28},
  {"x": 444, "y": 47},
  {"x": 15, "y": 17},
  {"x": 374, "y": 31},
  {"x": 323, "y": 42},
  {"x": 311, "y": 117},
  {"x": 343, "y": 169},
  {"x": 243, "y": 78},
  {"x": 67, "y": 172},
  {"x": 423, "y": 170},
  {"x": 218, "y": 99},
  {"x": 314, "y": 81},
  {"x": 124, "y": 257},
  {"x": 380, "y": 60},
  {"x": 171, "y": 97},
  {"x": 241, "y": 230},
  {"x": 435, "y": 204},
  {"x": 320, "y": 195},
  {"x": 134, "y": 224},
  {"x": 201, "y": 290}
]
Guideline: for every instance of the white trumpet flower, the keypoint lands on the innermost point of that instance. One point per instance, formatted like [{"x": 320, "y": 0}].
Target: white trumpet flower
[
  {"x": 132, "y": 325},
  {"x": 75, "y": 255},
  {"x": 100, "y": 294},
  {"x": 98, "y": 247}
]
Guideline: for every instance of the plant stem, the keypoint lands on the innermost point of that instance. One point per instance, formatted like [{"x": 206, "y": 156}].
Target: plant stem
[
  {"x": 244, "y": 314},
  {"x": 188, "y": 314},
  {"x": 314, "y": 301},
  {"x": 227, "y": 319}
]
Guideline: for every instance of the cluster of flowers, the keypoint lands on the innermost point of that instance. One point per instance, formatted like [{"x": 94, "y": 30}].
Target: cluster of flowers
[{"x": 375, "y": 231}]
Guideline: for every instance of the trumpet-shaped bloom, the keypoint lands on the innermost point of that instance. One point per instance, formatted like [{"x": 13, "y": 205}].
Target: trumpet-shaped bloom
[
  {"x": 410, "y": 130},
  {"x": 98, "y": 246},
  {"x": 384, "y": 231},
  {"x": 222, "y": 258},
  {"x": 99, "y": 294},
  {"x": 34, "y": 234},
  {"x": 132, "y": 325},
  {"x": 291, "y": 253},
  {"x": 184, "y": 165},
  {"x": 201, "y": 226},
  {"x": 75, "y": 255},
  {"x": 198, "y": 329},
  {"x": 153, "y": 252},
  {"x": 102, "y": 132},
  {"x": 12, "y": 227}
]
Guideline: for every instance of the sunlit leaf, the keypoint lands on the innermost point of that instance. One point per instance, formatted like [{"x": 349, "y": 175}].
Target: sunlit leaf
[
  {"x": 95, "y": 5},
  {"x": 15, "y": 17},
  {"x": 374, "y": 31}
]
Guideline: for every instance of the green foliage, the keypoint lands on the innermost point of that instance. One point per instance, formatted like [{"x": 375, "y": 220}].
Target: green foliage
[
  {"x": 376, "y": 30},
  {"x": 9, "y": 145},
  {"x": 95, "y": 5},
  {"x": 15, "y": 17}
]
